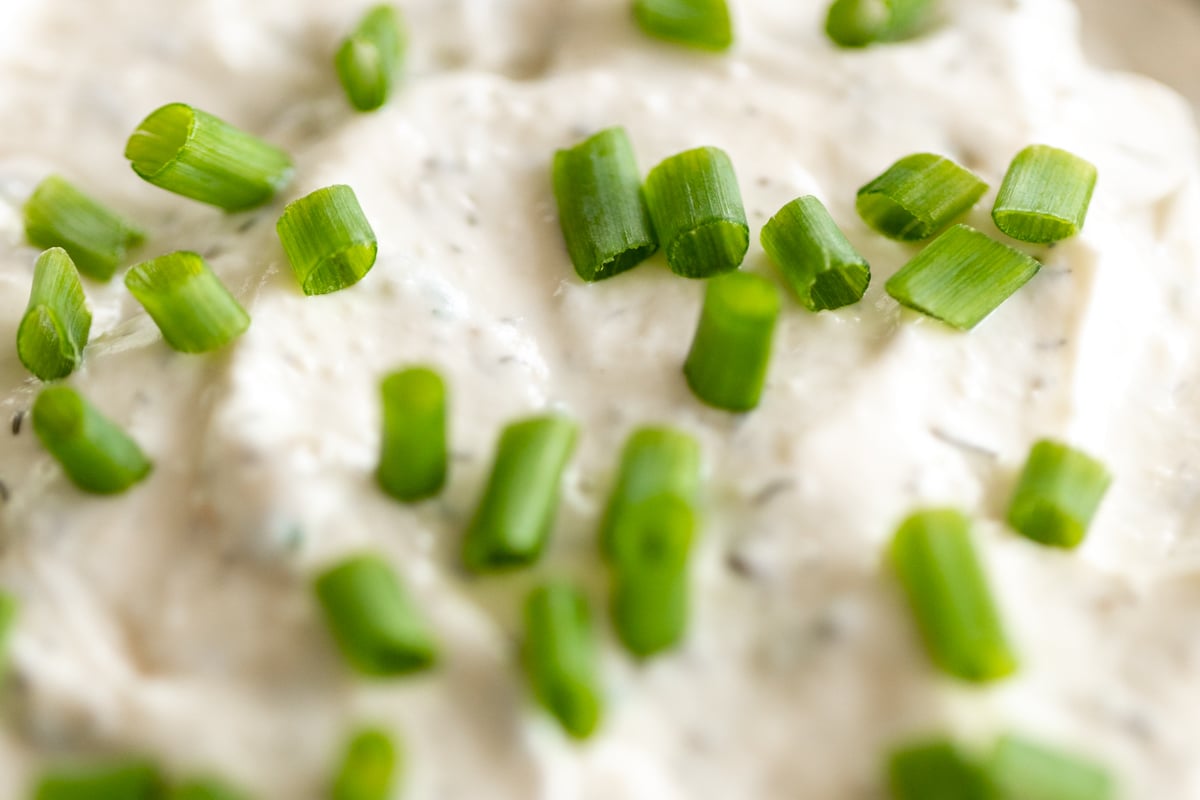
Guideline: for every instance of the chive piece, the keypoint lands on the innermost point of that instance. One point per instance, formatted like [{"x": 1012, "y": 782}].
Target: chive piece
[
  {"x": 188, "y": 302},
  {"x": 97, "y": 456},
  {"x": 327, "y": 239},
  {"x": 1045, "y": 195},
  {"x": 512, "y": 523},
  {"x": 97, "y": 239},
  {"x": 560, "y": 657},
  {"x": 820, "y": 264},
  {"x": 1057, "y": 495},
  {"x": 54, "y": 330},
  {"x": 1024, "y": 770},
  {"x": 727, "y": 364},
  {"x": 376, "y": 625},
  {"x": 369, "y": 767},
  {"x": 703, "y": 24},
  {"x": 696, "y": 208},
  {"x": 131, "y": 780},
  {"x": 918, "y": 196},
  {"x": 9, "y": 608},
  {"x": 600, "y": 206},
  {"x": 192, "y": 153},
  {"x": 369, "y": 61},
  {"x": 412, "y": 460},
  {"x": 858, "y": 23},
  {"x": 205, "y": 789},
  {"x": 935, "y": 559},
  {"x": 935, "y": 770},
  {"x": 961, "y": 277}
]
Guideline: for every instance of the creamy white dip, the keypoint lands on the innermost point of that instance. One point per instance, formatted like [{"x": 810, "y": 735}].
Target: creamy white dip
[{"x": 177, "y": 619}]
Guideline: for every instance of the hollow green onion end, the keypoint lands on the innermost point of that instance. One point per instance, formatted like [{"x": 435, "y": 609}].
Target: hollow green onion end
[
  {"x": 1057, "y": 494},
  {"x": 369, "y": 61},
  {"x": 56, "y": 324},
  {"x": 412, "y": 461},
  {"x": 935, "y": 769},
  {"x": 1022, "y": 769},
  {"x": 559, "y": 655},
  {"x": 818, "y": 262},
  {"x": 703, "y": 24},
  {"x": 858, "y": 23},
  {"x": 59, "y": 215},
  {"x": 369, "y": 767},
  {"x": 125, "y": 780},
  {"x": 96, "y": 455},
  {"x": 918, "y": 196},
  {"x": 1045, "y": 195},
  {"x": 328, "y": 241},
  {"x": 192, "y": 308}
]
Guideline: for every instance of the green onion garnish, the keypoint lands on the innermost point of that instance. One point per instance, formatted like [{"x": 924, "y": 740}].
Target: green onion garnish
[
  {"x": 132, "y": 780},
  {"x": 1058, "y": 492},
  {"x": 858, "y": 23},
  {"x": 205, "y": 789},
  {"x": 512, "y": 523},
  {"x": 188, "y": 302},
  {"x": 369, "y": 767},
  {"x": 9, "y": 607},
  {"x": 935, "y": 559},
  {"x": 327, "y": 239},
  {"x": 961, "y": 277},
  {"x": 696, "y": 208},
  {"x": 54, "y": 330},
  {"x": 412, "y": 460},
  {"x": 192, "y": 153},
  {"x": 97, "y": 456},
  {"x": 1045, "y": 195},
  {"x": 560, "y": 657},
  {"x": 918, "y": 196},
  {"x": 817, "y": 260},
  {"x": 935, "y": 770},
  {"x": 1025, "y": 770},
  {"x": 97, "y": 239},
  {"x": 600, "y": 206},
  {"x": 727, "y": 364},
  {"x": 369, "y": 60},
  {"x": 376, "y": 625},
  {"x": 698, "y": 23}
]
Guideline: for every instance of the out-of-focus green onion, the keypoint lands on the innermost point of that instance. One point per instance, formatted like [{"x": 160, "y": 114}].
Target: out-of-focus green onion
[
  {"x": 1058, "y": 492},
  {"x": 97, "y": 239},
  {"x": 369, "y": 768},
  {"x": 819, "y": 263},
  {"x": 935, "y": 770},
  {"x": 560, "y": 657},
  {"x": 369, "y": 61},
  {"x": 918, "y": 196},
  {"x": 131, "y": 780},
  {"x": 328, "y": 240},
  {"x": 1045, "y": 195},
  {"x": 858, "y": 23},
  {"x": 704, "y": 24},
  {"x": 9, "y": 608},
  {"x": 412, "y": 460},
  {"x": 54, "y": 330},
  {"x": 696, "y": 207},
  {"x": 600, "y": 206},
  {"x": 97, "y": 456},
  {"x": 205, "y": 789},
  {"x": 1025, "y": 770},
  {"x": 192, "y": 153},
  {"x": 188, "y": 302}
]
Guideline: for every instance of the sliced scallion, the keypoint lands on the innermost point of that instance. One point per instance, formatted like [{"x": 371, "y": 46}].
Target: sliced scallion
[
  {"x": 1045, "y": 195},
  {"x": 560, "y": 657},
  {"x": 9, "y": 607},
  {"x": 97, "y": 239},
  {"x": 97, "y": 456},
  {"x": 328, "y": 240},
  {"x": 55, "y": 327},
  {"x": 188, "y": 302},
  {"x": 857, "y": 23},
  {"x": 1058, "y": 492},
  {"x": 1024, "y": 770},
  {"x": 205, "y": 789},
  {"x": 412, "y": 460},
  {"x": 369, "y": 767},
  {"x": 369, "y": 61},
  {"x": 918, "y": 196},
  {"x": 935, "y": 770},
  {"x": 131, "y": 780},
  {"x": 819, "y": 263},
  {"x": 704, "y": 24}
]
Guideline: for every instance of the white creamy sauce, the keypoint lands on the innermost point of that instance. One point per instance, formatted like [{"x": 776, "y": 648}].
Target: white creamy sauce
[{"x": 177, "y": 619}]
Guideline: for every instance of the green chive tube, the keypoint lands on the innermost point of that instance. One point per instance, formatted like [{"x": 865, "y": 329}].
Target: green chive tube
[
  {"x": 192, "y": 153},
  {"x": 133, "y": 780},
  {"x": 600, "y": 206},
  {"x": 512, "y": 522},
  {"x": 961, "y": 277},
  {"x": 328, "y": 240},
  {"x": 369, "y": 767},
  {"x": 696, "y": 208},
  {"x": 192, "y": 308},
  {"x": 97, "y": 239},
  {"x": 559, "y": 655},
  {"x": 97, "y": 456},
  {"x": 376, "y": 625},
  {"x": 1058, "y": 492},
  {"x": 54, "y": 330},
  {"x": 918, "y": 196},
  {"x": 934, "y": 557},
  {"x": 1045, "y": 195},
  {"x": 369, "y": 61},
  {"x": 858, "y": 23},
  {"x": 412, "y": 459},
  {"x": 9, "y": 607},
  {"x": 727, "y": 364},
  {"x": 703, "y": 24},
  {"x": 935, "y": 770},
  {"x": 205, "y": 789},
  {"x": 1024, "y": 770},
  {"x": 819, "y": 263}
]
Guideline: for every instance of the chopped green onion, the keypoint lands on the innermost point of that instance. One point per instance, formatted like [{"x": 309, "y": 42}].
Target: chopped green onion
[
  {"x": 412, "y": 461},
  {"x": 97, "y": 456},
  {"x": 819, "y": 263},
  {"x": 1045, "y": 195},
  {"x": 9, "y": 607},
  {"x": 935, "y": 770},
  {"x": 600, "y": 206},
  {"x": 935, "y": 559},
  {"x": 698, "y": 23},
  {"x": 560, "y": 657},
  {"x": 188, "y": 302},
  {"x": 369, "y": 767},
  {"x": 132, "y": 780},
  {"x": 918, "y": 196},
  {"x": 376, "y": 625},
  {"x": 1058, "y": 492},
  {"x": 727, "y": 364},
  {"x": 97, "y": 239},
  {"x": 192, "y": 153},
  {"x": 1024, "y": 770},
  {"x": 327, "y": 239},
  {"x": 205, "y": 789},
  {"x": 512, "y": 523},
  {"x": 56, "y": 324},
  {"x": 961, "y": 277},
  {"x": 369, "y": 60},
  {"x": 696, "y": 208},
  {"x": 858, "y": 23}
]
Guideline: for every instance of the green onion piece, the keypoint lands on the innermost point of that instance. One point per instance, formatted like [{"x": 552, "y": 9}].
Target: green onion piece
[
  {"x": 935, "y": 770},
  {"x": 192, "y": 153},
  {"x": 205, "y": 789},
  {"x": 512, "y": 523},
  {"x": 412, "y": 461},
  {"x": 97, "y": 456},
  {"x": 97, "y": 239},
  {"x": 188, "y": 302},
  {"x": 858, "y": 23},
  {"x": 600, "y": 206},
  {"x": 1024, "y": 770},
  {"x": 961, "y": 277},
  {"x": 1058, "y": 492},
  {"x": 376, "y": 625},
  {"x": 697, "y": 23},
  {"x": 369, "y": 61},
  {"x": 132, "y": 780},
  {"x": 9, "y": 608},
  {"x": 560, "y": 657},
  {"x": 820, "y": 264},
  {"x": 369, "y": 767},
  {"x": 727, "y": 364},
  {"x": 54, "y": 330},
  {"x": 918, "y": 196},
  {"x": 935, "y": 559},
  {"x": 696, "y": 208},
  {"x": 1045, "y": 195},
  {"x": 327, "y": 239}
]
